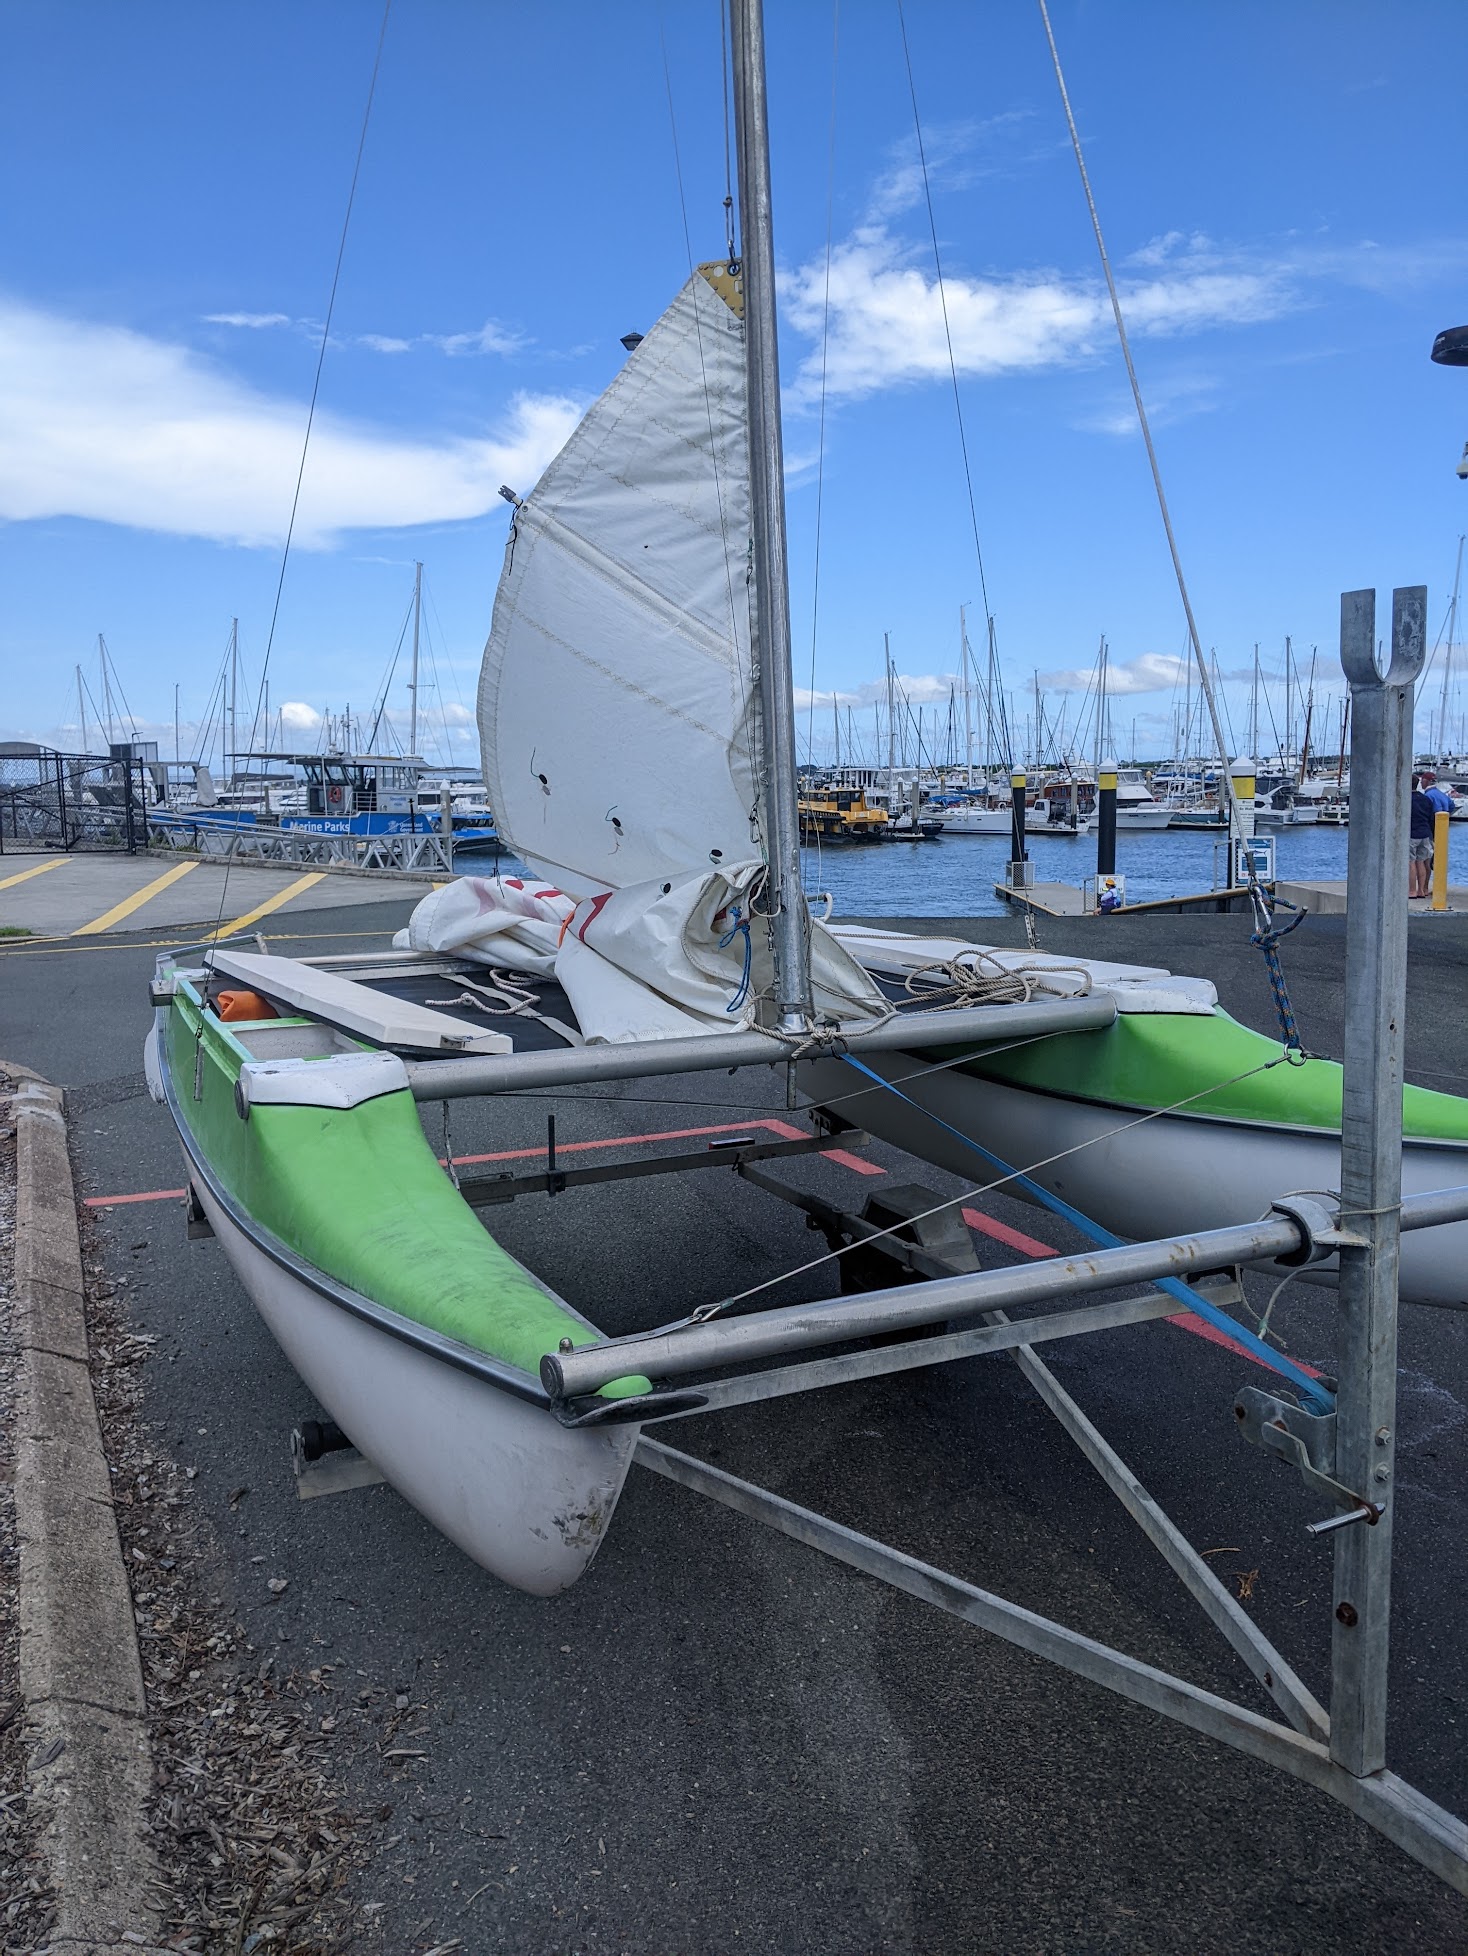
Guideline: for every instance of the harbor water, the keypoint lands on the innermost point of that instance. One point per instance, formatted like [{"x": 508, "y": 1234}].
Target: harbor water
[{"x": 954, "y": 876}]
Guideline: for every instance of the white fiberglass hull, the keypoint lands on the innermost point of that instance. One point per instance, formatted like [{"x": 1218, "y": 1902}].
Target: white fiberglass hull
[
  {"x": 527, "y": 1498},
  {"x": 977, "y": 821},
  {"x": 1142, "y": 817},
  {"x": 1142, "y": 1177}
]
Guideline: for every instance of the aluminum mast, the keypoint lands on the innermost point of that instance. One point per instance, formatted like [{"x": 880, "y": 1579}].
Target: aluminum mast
[{"x": 771, "y": 615}]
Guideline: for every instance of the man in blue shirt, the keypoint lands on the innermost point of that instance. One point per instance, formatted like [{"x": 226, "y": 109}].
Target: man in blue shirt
[
  {"x": 1439, "y": 797},
  {"x": 1419, "y": 848}
]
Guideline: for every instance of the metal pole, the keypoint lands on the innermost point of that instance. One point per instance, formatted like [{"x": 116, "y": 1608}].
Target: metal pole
[
  {"x": 696, "y": 1347},
  {"x": 446, "y": 824},
  {"x": 1371, "y": 1157},
  {"x": 974, "y": 1027},
  {"x": 771, "y": 621},
  {"x": 1018, "y": 875},
  {"x": 413, "y": 686},
  {"x": 1106, "y": 819}
]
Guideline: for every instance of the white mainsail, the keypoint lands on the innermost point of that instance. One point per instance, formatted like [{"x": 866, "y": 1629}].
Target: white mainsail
[
  {"x": 618, "y": 711},
  {"x": 616, "y": 704}
]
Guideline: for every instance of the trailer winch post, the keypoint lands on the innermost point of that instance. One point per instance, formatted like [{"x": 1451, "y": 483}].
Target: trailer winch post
[{"x": 1371, "y": 1157}]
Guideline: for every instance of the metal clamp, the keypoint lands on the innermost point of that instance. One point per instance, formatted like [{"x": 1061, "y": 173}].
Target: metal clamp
[
  {"x": 1306, "y": 1441},
  {"x": 1319, "y": 1222}
]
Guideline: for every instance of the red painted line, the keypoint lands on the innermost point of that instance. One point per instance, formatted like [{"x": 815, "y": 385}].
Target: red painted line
[
  {"x": 148, "y": 1195},
  {"x": 783, "y": 1130},
  {"x": 854, "y": 1162},
  {"x": 1200, "y": 1328},
  {"x": 1014, "y": 1239},
  {"x": 1184, "y": 1320}
]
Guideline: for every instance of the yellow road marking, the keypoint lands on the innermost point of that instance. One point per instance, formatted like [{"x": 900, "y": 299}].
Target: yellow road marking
[
  {"x": 48, "y": 948},
  {"x": 264, "y": 909},
  {"x": 135, "y": 902},
  {"x": 39, "y": 870}
]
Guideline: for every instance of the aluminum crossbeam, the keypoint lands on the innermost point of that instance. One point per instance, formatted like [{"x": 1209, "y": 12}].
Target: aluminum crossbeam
[
  {"x": 975, "y": 1027},
  {"x": 696, "y": 1347}
]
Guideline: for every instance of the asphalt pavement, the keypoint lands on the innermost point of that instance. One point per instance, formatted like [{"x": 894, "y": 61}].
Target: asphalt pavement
[{"x": 720, "y": 1741}]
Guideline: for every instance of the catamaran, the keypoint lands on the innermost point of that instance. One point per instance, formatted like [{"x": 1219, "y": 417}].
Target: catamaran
[{"x": 661, "y": 933}]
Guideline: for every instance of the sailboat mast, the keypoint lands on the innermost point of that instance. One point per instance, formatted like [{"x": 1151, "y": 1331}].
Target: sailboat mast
[
  {"x": 234, "y": 697},
  {"x": 81, "y": 707},
  {"x": 106, "y": 687},
  {"x": 413, "y": 683},
  {"x": 968, "y": 700},
  {"x": 891, "y": 718},
  {"x": 1442, "y": 718},
  {"x": 771, "y": 621}
]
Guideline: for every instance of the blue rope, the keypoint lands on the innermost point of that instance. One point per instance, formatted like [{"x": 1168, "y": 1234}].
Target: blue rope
[
  {"x": 740, "y": 926},
  {"x": 1267, "y": 939},
  {"x": 1310, "y": 1390}
]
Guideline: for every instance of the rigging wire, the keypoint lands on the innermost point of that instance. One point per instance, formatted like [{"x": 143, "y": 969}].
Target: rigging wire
[
  {"x": 815, "y": 597},
  {"x": 1235, "y": 817},
  {"x": 311, "y": 411},
  {"x": 453, "y": 673},
  {"x": 947, "y": 329},
  {"x": 341, "y": 251}
]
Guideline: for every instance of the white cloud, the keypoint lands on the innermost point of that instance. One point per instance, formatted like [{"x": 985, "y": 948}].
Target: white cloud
[
  {"x": 250, "y": 319},
  {"x": 1150, "y": 672},
  {"x": 491, "y": 337},
  {"x": 105, "y": 423},
  {"x": 917, "y": 688},
  {"x": 887, "y": 315},
  {"x": 297, "y": 717}
]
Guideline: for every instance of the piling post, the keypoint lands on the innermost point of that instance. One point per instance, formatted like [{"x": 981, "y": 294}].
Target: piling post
[
  {"x": 1371, "y": 1159},
  {"x": 1246, "y": 786},
  {"x": 446, "y": 825},
  {"x": 1106, "y": 819},
  {"x": 1019, "y": 866}
]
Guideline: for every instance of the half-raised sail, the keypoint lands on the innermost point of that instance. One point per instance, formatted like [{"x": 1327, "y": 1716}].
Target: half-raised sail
[{"x": 616, "y": 706}]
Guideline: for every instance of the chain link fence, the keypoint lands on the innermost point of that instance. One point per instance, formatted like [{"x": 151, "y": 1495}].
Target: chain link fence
[{"x": 50, "y": 800}]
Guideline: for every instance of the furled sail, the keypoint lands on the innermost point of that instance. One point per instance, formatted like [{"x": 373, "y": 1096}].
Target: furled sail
[{"x": 616, "y": 702}]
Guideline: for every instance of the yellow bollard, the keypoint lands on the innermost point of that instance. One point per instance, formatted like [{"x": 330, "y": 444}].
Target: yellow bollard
[{"x": 1440, "y": 860}]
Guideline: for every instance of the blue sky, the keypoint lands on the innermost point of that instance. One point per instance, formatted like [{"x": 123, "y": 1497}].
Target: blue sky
[{"x": 1281, "y": 192}]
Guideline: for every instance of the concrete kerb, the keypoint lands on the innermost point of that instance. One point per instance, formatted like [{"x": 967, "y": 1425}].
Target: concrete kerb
[{"x": 81, "y": 1676}]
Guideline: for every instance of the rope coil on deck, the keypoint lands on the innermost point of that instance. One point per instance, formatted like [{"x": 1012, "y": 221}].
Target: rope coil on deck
[{"x": 979, "y": 978}]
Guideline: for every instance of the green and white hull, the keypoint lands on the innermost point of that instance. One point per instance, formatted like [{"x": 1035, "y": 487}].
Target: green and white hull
[
  {"x": 416, "y": 1332},
  {"x": 1164, "y": 1123}
]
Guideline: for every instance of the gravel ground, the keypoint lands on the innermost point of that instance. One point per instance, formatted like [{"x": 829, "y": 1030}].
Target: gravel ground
[{"x": 26, "y": 1911}]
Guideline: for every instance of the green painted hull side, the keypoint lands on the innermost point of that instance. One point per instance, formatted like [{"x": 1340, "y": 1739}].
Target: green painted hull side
[
  {"x": 1149, "y": 1060},
  {"x": 359, "y": 1195}
]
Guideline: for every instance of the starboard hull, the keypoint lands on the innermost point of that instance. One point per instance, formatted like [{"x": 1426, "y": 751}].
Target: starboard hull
[{"x": 1140, "y": 1176}]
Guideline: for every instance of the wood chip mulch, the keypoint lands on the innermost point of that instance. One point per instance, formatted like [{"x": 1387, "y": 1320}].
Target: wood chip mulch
[{"x": 254, "y": 1843}]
